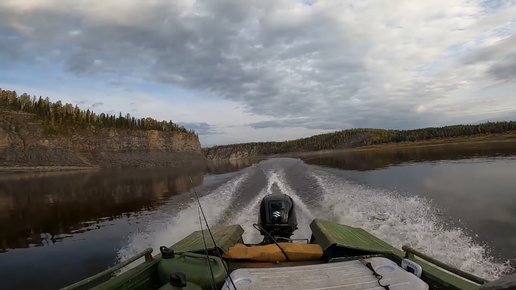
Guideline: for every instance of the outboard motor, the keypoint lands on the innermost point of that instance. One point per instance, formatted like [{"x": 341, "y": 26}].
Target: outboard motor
[{"x": 277, "y": 217}]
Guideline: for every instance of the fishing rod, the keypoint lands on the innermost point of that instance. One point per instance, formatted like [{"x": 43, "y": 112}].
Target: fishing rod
[
  {"x": 206, "y": 251},
  {"x": 211, "y": 235}
]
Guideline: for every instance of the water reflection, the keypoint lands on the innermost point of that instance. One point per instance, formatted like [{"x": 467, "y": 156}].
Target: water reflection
[
  {"x": 380, "y": 159},
  {"x": 218, "y": 167},
  {"x": 39, "y": 209}
]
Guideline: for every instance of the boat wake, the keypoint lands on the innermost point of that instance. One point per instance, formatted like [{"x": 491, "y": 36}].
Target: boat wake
[
  {"x": 172, "y": 223},
  {"x": 400, "y": 220},
  {"x": 390, "y": 216},
  {"x": 249, "y": 214}
]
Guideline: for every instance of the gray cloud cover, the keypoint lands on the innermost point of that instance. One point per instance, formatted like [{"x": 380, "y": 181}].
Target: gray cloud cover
[
  {"x": 502, "y": 59},
  {"x": 201, "y": 128},
  {"x": 328, "y": 65}
]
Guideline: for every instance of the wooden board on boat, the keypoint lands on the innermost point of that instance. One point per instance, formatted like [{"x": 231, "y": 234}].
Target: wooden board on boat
[
  {"x": 329, "y": 234},
  {"x": 225, "y": 238}
]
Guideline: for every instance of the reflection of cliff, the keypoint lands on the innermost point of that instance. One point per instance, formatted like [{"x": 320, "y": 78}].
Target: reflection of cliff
[
  {"x": 58, "y": 204},
  {"x": 378, "y": 159},
  {"x": 224, "y": 166}
]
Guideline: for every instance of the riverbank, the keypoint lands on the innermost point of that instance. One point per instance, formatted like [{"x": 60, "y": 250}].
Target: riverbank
[
  {"x": 447, "y": 141},
  {"x": 23, "y": 169},
  {"x": 435, "y": 142},
  {"x": 456, "y": 140}
]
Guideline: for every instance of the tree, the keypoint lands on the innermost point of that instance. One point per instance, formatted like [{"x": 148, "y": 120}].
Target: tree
[{"x": 60, "y": 118}]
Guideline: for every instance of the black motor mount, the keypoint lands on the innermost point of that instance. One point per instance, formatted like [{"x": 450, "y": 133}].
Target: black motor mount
[{"x": 277, "y": 217}]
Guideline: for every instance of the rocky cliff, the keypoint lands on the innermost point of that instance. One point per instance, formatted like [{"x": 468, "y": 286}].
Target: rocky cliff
[
  {"x": 23, "y": 143},
  {"x": 230, "y": 152}
]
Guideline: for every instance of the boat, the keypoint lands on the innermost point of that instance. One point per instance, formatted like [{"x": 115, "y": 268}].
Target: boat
[{"x": 335, "y": 256}]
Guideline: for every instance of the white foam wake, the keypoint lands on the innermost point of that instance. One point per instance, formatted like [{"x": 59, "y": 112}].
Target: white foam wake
[
  {"x": 403, "y": 220},
  {"x": 247, "y": 216},
  {"x": 394, "y": 218},
  {"x": 304, "y": 214},
  {"x": 174, "y": 226}
]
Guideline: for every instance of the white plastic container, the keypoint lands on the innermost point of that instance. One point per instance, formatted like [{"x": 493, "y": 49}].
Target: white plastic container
[
  {"x": 350, "y": 275},
  {"x": 412, "y": 267}
]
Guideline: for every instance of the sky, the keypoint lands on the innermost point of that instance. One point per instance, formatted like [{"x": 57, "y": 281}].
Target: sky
[{"x": 245, "y": 71}]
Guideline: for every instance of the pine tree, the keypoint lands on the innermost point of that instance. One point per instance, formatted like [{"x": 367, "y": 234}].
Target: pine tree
[{"x": 58, "y": 117}]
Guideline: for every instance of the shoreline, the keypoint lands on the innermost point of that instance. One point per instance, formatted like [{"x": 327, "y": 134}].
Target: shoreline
[
  {"x": 31, "y": 169},
  {"x": 489, "y": 138}
]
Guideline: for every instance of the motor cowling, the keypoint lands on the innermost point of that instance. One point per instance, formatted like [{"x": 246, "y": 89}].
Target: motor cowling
[{"x": 277, "y": 217}]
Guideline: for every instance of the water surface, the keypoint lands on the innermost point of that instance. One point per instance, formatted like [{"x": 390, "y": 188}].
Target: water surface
[
  {"x": 474, "y": 185},
  {"x": 60, "y": 227},
  {"x": 453, "y": 202}
]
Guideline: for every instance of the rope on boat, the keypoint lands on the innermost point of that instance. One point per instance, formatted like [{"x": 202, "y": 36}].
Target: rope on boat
[
  {"x": 258, "y": 227},
  {"x": 378, "y": 276}
]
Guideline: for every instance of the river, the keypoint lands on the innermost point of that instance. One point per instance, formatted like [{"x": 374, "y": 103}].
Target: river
[{"x": 454, "y": 202}]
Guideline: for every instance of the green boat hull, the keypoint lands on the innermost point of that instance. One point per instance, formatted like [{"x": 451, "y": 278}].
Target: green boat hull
[{"x": 338, "y": 242}]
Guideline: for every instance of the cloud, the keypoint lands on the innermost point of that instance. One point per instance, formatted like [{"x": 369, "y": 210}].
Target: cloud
[
  {"x": 97, "y": 104},
  {"x": 500, "y": 57},
  {"x": 309, "y": 123},
  {"x": 319, "y": 65},
  {"x": 201, "y": 128},
  {"x": 117, "y": 83},
  {"x": 498, "y": 117}
]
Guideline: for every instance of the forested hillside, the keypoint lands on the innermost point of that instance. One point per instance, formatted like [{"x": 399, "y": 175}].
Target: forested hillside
[{"x": 353, "y": 138}]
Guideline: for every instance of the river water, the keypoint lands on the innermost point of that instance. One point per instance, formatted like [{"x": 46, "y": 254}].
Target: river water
[{"x": 454, "y": 202}]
